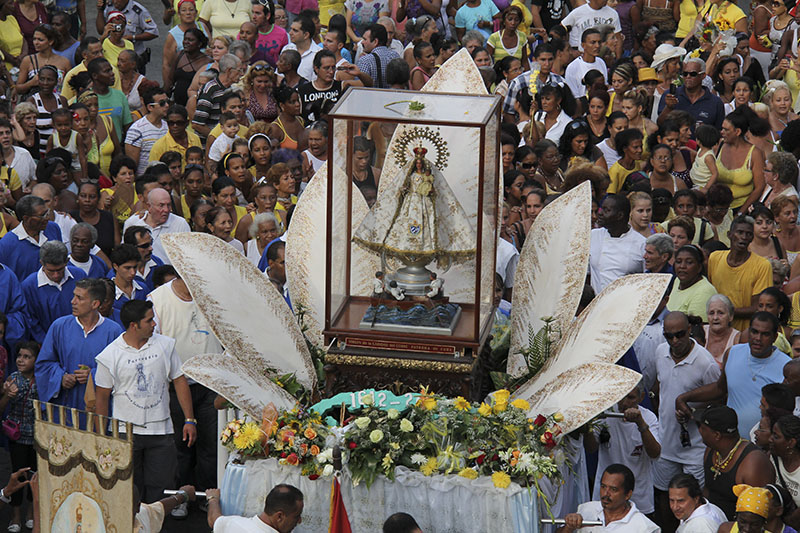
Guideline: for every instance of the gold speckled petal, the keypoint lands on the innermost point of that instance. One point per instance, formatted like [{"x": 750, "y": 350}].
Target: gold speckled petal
[
  {"x": 245, "y": 311},
  {"x": 551, "y": 270},
  {"x": 245, "y": 387},
  {"x": 582, "y": 392},
  {"x": 604, "y": 330}
]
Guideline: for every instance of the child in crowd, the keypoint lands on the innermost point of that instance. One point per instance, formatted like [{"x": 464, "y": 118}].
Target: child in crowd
[
  {"x": 193, "y": 182},
  {"x": 70, "y": 140},
  {"x": 19, "y": 391},
  {"x": 684, "y": 203},
  {"x": 704, "y": 171},
  {"x": 222, "y": 144},
  {"x": 81, "y": 124}
]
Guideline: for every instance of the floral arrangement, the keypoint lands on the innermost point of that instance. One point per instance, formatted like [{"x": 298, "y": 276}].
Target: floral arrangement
[
  {"x": 437, "y": 435},
  {"x": 295, "y": 437},
  {"x": 441, "y": 435}
]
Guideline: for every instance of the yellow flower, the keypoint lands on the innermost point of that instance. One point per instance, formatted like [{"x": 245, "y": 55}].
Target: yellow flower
[
  {"x": 558, "y": 417},
  {"x": 519, "y": 403},
  {"x": 427, "y": 402},
  {"x": 461, "y": 403},
  {"x": 499, "y": 407},
  {"x": 501, "y": 395},
  {"x": 429, "y": 467},
  {"x": 469, "y": 473},
  {"x": 387, "y": 461},
  {"x": 485, "y": 409},
  {"x": 248, "y": 435},
  {"x": 501, "y": 480}
]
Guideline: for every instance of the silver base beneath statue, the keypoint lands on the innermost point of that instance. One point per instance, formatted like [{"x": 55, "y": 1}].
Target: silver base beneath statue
[
  {"x": 415, "y": 280},
  {"x": 380, "y": 325}
]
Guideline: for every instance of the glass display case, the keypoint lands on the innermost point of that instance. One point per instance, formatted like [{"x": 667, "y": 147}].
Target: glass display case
[{"x": 412, "y": 221}]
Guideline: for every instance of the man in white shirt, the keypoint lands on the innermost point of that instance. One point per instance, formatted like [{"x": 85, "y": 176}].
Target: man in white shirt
[
  {"x": 300, "y": 33},
  {"x": 590, "y": 15},
  {"x": 616, "y": 249},
  {"x": 614, "y": 510},
  {"x": 506, "y": 265},
  {"x": 686, "y": 501},
  {"x": 159, "y": 220},
  {"x": 681, "y": 365},
  {"x": 282, "y": 513},
  {"x": 65, "y": 223},
  {"x": 178, "y": 317},
  {"x": 144, "y": 133},
  {"x": 632, "y": 441},
  {"x": 137, "y": 369},
  {"x": 576, "y": 70}
]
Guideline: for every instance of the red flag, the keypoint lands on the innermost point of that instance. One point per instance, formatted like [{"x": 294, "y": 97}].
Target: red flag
[{"x": 339, "y": 521}]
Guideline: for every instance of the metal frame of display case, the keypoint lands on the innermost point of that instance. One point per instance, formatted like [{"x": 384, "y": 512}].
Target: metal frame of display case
[{"x": 351, "y": 345}]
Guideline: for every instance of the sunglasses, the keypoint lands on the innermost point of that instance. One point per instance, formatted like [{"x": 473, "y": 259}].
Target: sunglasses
[
  {"x": 162, "y": 103},
  {"x": 691, "y": 74},
  {"x": 145, "y": 245},
  {"x": 527, "y": 166},
  {"x": 677, "y": 335},
  {"x": 261, "y": 68}
]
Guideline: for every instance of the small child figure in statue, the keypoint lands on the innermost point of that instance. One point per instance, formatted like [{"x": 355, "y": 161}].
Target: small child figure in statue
[
  {"x": 378, "y": 285},
  {"x": 436, "y": 286},
  {"x": 397, "y": 292}
]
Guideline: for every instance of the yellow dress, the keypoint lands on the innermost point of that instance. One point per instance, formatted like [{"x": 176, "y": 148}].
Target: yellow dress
[
  {"x": 121, "y": 212},
  {"x": 329, "y": 8},
  {"x": 739, "y": 180},
  {"x": 688, "y": 16},
  {"x": 741, "y": 283},
  {"x": 10, "y": 38},
  {"x": 106, "y": 148},
  {"x": 619, "y": 174},
  {"x": 794, "y": 316},
  {"x": 241, "y": 212}
]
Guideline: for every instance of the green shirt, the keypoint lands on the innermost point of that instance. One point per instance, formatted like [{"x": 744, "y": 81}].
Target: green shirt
[{"x": 114, "y": 104}]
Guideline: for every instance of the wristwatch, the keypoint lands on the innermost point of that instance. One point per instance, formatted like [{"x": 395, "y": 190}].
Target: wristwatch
[{"x": 3, "y": 497}]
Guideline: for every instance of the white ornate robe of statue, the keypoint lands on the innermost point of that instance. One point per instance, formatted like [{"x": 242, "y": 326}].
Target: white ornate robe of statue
[{"x": 418, "y": 217}]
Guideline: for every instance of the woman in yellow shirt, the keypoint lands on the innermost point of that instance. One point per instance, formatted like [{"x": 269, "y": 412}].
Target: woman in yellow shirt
[
  {"x": 629, "y": 148},
  {"x": 725, "y": 14},
  {"x": 223, "y": 192},
  {"x": 509, "y": 41}
]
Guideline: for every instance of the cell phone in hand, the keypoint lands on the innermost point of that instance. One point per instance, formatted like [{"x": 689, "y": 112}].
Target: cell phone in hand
[{"x": 671, "y": 88}]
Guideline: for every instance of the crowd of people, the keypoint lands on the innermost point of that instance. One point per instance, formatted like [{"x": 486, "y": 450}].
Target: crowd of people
[{"x": 690, "y": 141}]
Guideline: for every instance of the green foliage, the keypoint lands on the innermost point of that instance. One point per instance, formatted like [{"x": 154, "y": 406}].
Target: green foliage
[{"x": 540, "y": 347}]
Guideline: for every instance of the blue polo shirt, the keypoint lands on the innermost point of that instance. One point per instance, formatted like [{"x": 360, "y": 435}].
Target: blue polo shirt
[{"x": 709, "y": 109}]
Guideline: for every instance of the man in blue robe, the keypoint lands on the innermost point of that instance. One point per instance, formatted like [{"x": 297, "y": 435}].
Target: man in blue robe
[
  {"x": 82, "y": 239},
  {"x": 70, "y": 346},
  {"x": 48, "y": 292},
  {"x": 19, "y": 248},
  {"x": 12, "y": 303},
  {"x": 141, "y": 237}
]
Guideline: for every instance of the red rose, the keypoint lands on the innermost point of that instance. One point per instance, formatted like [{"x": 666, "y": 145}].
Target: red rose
[
  {"x": 283, "y": 455},
  {"x": 495, "y": 457},
  {"x": 540, "y": 420},
  {"x": 352, "y": 445},
  {"x": 549, "y": 443},
  {"x": 293, "y": 459},
  {"x": 548, "y": 435},
  {"x": 480, "y": 458},
  {"x": 313, "y": 477}
]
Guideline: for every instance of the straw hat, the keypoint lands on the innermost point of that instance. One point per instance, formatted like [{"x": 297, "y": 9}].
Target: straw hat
[
  {"x": 647, "y": 74},
  {"x": 666, "y": 52}
]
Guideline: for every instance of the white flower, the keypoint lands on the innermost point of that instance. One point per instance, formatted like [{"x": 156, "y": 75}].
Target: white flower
[
  {"x": 327, "y": 471},
  {"x": 392, "y": 414},
  {"x": 362, "y": 422},
  {"x": 325, "y": 456},
  {"x": 367, "y": 399},
  {"x": 376, "y": 436},
  {"x": 405, "y": 425},
  {"x": 419, "y": 459}
]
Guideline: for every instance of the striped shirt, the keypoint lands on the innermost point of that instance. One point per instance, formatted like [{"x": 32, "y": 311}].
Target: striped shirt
[
  {"x": 44, "y": 121},
  {"x": 143, "y": 135},
  {"x": 209, "y": 103}
]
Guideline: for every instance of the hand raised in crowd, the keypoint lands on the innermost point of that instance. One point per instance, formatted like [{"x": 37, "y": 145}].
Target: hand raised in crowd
[
  {"x": 16, "y": 481},
  {"x": 68, "y": 381},
  {"x": 670, "y": 101},
  {"x": 10, "y": 389}
]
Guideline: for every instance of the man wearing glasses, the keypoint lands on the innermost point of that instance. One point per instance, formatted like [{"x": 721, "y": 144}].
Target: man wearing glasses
[
  {"x": 177, "y": 138},
  {"x": 140, "y": 237},
  {"x": 681, "y": 365},
  {"x": 144, "y": 133},
  {"x": 209, "y": 101},
  {"x": 698, "y": 101}
]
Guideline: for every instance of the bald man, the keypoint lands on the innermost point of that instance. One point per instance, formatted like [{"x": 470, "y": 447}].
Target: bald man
[{"x": 159, "y": 220}]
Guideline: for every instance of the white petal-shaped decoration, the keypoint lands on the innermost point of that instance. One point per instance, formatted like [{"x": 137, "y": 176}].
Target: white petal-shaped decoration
[
  {"x": 604, "y": 330},
  {"x": 245, "y": 311},
  {"x": 551, "y": 271},
  {"x": 244, "y": 387},
  {"x": 582, "y": 392},
  {"x": 306, "y": 253},
  {"x": 457, "y": 75}
]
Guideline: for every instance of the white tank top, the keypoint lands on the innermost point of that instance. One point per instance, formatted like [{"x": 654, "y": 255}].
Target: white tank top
[{"x": 315, "y": 162}]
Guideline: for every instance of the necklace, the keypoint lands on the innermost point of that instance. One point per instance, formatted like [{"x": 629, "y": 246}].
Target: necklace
[
  {"x": 721, "y": 464},
  {"x": 750, "y": 369},
  {"x": 233, "y": 13}
]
